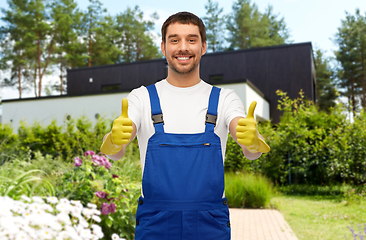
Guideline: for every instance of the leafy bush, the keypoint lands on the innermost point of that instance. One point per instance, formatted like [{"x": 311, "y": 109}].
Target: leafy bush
[
  {"x": 248, "y": 190},
  {"x": 96, "y": 180},
  {"x": 308, "y": 146},
  {"x": 64, "y": 142}
]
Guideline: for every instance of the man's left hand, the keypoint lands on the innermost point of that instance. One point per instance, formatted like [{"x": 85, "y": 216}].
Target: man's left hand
[{"x": 248, "y": 135}]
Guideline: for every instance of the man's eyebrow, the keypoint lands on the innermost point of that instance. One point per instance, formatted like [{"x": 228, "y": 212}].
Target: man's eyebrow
[
  {"x": 193, "y": 35},
  {"x": 173, "y": 35},
  {"x": 189, "y": 35}
]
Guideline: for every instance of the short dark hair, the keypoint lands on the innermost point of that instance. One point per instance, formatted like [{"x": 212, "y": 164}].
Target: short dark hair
[{"x": 184, "y": 18}]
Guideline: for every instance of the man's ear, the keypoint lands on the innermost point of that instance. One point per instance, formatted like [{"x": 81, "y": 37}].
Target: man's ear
[
  {"x": 162, "y": 46},
  {"x": 204, "y": 48}
]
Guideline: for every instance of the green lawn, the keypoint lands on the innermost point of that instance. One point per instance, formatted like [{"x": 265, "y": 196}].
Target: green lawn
[{"x": 325, "y": 218}]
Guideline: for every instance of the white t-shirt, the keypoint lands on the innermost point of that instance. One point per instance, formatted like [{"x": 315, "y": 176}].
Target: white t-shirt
[{"x": 184, "y": 111}]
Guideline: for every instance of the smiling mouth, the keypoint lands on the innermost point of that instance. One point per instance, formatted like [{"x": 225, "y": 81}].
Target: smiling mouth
[{"x": 183, "y": 58}]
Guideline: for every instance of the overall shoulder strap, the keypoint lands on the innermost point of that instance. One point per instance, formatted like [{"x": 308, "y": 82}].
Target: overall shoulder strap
[
  {"x": 211, "y": 116},
  {"x": 156, "y": 113}
]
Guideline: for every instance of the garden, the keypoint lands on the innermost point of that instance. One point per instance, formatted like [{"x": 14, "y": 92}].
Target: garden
[{"x": 54, "y": 183}]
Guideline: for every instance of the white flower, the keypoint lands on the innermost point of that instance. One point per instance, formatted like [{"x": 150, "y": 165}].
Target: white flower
[
  {"x": 35, "y": 207},
  {"x": 63, "y": 208},
  {"x": 37, "y": 200},
  {"x": 26, "y": 198},
  {"x": 87, "y": 213},
  {"x": 55, "y": 226},
  {"x": 115, "y": 236},
  {"x": 39, "y": 220},
  {"x": 83, "y": 222},
  {"x": 53, "y": 200},
  {"x": 46, "y": 233},
  {"x": 63, "y": 218},
  {"x": 76, "y": 212},
  {"x": 21, "y": 235},
  {"x": 65, "y": 201},
  {"x": 85, "y": 233},
  {"x": 94, "y": 237},
  {"x": 48, "y": 208},
  {"x": 92, "y": 206},
  {"x": 96, "y": 211},
  {"x": 97, "y": 230},
  {"x": 63, "y": 235},
  {"x": 96, "y": 218}
]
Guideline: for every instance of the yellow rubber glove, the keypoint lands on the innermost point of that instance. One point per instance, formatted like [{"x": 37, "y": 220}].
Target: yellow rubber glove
[
  {"x": 121, "y": 132},
  {"x": 248, "y": 135}
]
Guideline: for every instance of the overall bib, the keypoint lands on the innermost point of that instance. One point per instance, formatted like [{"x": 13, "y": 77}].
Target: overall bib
[{"x": 183, "y": 182}]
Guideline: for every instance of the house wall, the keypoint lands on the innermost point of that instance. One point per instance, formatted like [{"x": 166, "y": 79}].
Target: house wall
[
  {"x": 45, "y": 110},
  {"x": 289, "y": 68}
]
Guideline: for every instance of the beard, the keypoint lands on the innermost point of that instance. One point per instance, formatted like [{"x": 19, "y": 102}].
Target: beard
[{"x": 184, "y": 69}]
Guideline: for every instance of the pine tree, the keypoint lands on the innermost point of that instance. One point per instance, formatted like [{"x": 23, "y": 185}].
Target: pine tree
[
  {"x": 249, "y": 28},
  {"x": 350, "y": 38},
  {"x": 134, "y": 39},
  {"x": 325, "y": 87},
  {"x": 214, "y": 26},
  {"x": 16, "y": 45}
]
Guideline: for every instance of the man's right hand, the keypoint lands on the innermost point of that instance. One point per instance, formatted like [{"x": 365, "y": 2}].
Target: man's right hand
[
  {"x": 122, "y": 126},
  {"x": 121, "y": 132}
]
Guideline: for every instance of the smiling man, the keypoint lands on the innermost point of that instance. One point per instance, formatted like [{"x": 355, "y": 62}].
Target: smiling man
[{"x": 182, "y": 124}]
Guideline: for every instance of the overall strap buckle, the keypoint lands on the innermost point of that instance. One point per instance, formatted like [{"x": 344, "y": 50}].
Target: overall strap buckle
[
  {"x": 211, "y": 116},
  {"x": 211, "y": 119},
  {"x": 157, "y": 118}
]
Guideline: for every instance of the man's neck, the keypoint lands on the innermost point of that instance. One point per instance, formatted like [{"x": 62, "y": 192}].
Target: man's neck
[{"x": 183, "y": 80}]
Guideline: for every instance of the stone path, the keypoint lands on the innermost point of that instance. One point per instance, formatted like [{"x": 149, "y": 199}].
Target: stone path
[{"x": 259, "y": 224}]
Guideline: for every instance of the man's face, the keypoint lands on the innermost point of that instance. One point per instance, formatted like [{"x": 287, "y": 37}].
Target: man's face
[{"x": 183, "y": 48}]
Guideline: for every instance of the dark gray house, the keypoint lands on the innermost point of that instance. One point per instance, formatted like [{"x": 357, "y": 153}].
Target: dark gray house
[{"x": 286, "y": 67}]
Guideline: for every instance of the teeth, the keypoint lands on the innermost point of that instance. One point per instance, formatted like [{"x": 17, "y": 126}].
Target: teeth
[{"x": 182, "y": 58}]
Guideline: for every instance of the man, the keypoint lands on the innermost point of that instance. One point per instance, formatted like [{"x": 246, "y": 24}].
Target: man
[{"x": 181, "y": 124}]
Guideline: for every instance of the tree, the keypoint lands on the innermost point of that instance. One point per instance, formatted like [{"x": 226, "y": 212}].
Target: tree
[
  {"x": 69, "y": 51},
  {"x": 16, "y": 45},
  {"x": 249, "y": 28},
  {"x": 351, "y": 53},
  {"x": 325, "y": 86},
  {"x": 134, "y": 38},
  {"x": 214, "y": 26}
]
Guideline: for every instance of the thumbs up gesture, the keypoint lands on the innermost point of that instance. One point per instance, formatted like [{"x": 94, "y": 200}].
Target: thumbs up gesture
[
  {"x": 121, "y": 132},
  {"x": 248, "y": 135},
  {"x": 122, "y": 126}
]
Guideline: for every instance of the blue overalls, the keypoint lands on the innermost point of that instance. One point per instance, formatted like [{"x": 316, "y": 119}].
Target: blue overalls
[{"x": 183, "y": 182}]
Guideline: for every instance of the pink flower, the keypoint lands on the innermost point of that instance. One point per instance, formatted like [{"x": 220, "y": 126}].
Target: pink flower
[
  {"x": 112, "y": 208},
  {"x": 101, "y": 194},
  {"x": 108, "y": 208},
  {"x": 89, "y": 152},
  {"x": 105, "y": 209},
  {"x": 115, "y": 176},
  {"x": 107, "y": 165},
  {"x": 77, "y": 162},
  {"x": 98, "y": 160}
]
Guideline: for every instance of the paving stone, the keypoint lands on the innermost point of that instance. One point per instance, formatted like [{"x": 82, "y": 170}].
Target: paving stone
[{"x": 259, "y": 224}]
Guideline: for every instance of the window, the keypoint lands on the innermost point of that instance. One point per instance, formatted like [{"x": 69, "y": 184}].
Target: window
[
  {"x": 218, "y": 78},
  {"x": 111, "y": 88}
]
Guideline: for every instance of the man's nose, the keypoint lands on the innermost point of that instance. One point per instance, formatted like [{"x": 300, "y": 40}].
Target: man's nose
[{"x": 183, "y": 46}]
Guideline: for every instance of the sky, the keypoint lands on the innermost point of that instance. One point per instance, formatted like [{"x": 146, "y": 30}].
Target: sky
[{"x": 314, "y": 21}]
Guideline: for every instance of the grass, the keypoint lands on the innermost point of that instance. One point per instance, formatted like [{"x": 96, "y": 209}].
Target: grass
[
  {"x": 247, "y": 190},
  {"x": 321, "y": 217}
]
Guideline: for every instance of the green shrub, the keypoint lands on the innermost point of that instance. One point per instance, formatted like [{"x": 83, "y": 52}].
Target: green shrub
[
  {"x": 8, "y": 141},
  {"x": 115, "y": 191},
  {"x": 73, "y": 138},
  {"x": 308, "y": 146},
  {"x": 248, "y": 190}
]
